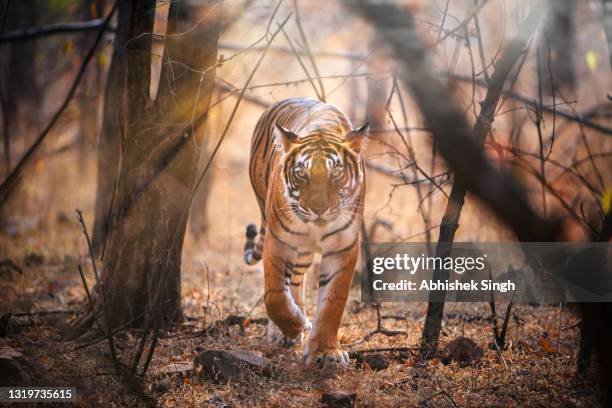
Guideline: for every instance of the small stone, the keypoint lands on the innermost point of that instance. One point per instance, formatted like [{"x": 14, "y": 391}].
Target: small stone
[
  {"x": 224, "y": 365},
  {"x": 462, "y": 350},
  {"x": 18, "y": 370},
  {"x": 161, "y": 386},
  {"x": 339, "y": 399},
  {"x": 377, "y": 361}
]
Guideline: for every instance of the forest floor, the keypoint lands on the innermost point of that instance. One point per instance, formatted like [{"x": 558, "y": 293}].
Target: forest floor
[{"x": 536, "y": 369}]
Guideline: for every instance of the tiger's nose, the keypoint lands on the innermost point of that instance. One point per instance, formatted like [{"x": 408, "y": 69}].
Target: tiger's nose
[
  {"x": 319, "y": 204},
  {"x": 319, "y": 208}
]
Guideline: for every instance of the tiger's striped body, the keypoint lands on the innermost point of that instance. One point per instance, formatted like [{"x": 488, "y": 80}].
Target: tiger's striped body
[{"x": 308, "y": 176}]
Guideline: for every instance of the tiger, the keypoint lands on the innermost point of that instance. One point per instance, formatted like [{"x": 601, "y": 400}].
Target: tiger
[{"x": 307, "y": 171}]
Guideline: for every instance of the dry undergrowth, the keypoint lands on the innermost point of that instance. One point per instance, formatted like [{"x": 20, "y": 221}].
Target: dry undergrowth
[{"x": 537, "y": 369}]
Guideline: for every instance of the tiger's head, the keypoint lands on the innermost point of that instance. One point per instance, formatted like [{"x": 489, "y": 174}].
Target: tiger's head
[{"x": 322, "y": 172}]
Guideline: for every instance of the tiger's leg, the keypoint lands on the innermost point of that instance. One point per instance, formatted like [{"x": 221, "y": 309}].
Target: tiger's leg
[
  {"x": 337, "y": 268},
  {"x": 297, "y": 288},
  {"x": 284, "y": 312}
]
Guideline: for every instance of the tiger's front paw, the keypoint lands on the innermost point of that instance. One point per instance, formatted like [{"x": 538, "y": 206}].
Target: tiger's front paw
[{"x": 324, "y": 359}]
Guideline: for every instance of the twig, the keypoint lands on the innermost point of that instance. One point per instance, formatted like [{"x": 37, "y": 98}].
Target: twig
[
  {"x": 500, "y": 354},
  {"x": 480, "y": 47},
  {"x": 44, "y": 313},
  {"x": 411, "y": 152},
  {"x": 208, "y": 291},
  {"x": 493, "y": 313},
  {"x": 502, "y": 336},
  {"x": 99, "y": 339},
  {"x": 575, "y": 117},
  {"x": 572, "y": 326},
  {"x": 443, "y": 18},
  {"x": 397, "y": 174},
  {"x": 297, "y": 56},
  {"x": 34, "y": 33},
  {"x": 308, "y": 52},
  {"x": 538, "y": 124},
  {"x": 379, "y": 330},
  {"x": 286, "y": 50},
  {"x": 107, "y": 330},
  {"x": 93, "y": 311},
  {"x": 442, "y": 392},
  {"x": 464, "y": 23}
]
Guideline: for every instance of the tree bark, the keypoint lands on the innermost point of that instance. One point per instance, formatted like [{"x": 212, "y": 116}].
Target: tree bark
[
  {"x": 19, "y": 88},
  {"x": 141, "y": 266},
  {"x": 583, "y": 360},
  {"x": 109, "y": 142},
  {"x": 89, "y": 100}
]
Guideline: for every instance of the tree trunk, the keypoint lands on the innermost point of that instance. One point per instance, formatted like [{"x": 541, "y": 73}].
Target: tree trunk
[
  {"x": 19, "y": 88},
  {"x": 583, "y": 359},
  {"x": 109, "y": 142},
  {"x": 141, "y": 267}
]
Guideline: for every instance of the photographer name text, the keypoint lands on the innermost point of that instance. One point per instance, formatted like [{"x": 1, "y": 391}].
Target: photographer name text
[{"x": 430, "y": 285}]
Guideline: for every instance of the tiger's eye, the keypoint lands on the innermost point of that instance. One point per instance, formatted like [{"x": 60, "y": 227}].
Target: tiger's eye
[
  {"x": 336, "y": 171},
  {"x": 300, "y": 172}
]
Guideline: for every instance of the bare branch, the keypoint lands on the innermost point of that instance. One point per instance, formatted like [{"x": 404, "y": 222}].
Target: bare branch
[
  {"x": 27, "y": 34},
  {"x": 576, "y": 117}
]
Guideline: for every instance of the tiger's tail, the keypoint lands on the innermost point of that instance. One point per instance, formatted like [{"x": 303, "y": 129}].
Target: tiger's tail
[{"x": 252, "y": 248}]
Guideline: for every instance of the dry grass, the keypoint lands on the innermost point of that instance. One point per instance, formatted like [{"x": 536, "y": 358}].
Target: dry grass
[{"x": 537, "y": 368}]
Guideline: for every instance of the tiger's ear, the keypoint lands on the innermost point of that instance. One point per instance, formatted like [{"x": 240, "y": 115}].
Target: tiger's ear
[
  {"x": 357, "y": 139},
  {"x": 284, "y": 138}
]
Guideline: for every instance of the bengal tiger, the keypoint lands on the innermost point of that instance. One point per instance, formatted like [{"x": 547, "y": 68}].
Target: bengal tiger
[{"x": 307, "y": 171}]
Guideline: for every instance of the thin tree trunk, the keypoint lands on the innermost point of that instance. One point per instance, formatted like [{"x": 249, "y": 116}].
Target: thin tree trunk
[
  {"x": 583, "y": 360},
  {"x": 141, "y": 267},
  {"x": 450, "y": 221},
  {"x": 19, "y": 88},
  {"x": 89, "y": 100},
  {"x": 109, "y": 142}
]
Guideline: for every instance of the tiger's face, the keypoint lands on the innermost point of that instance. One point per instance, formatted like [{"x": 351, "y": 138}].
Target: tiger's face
[{"x": 322, "y": 173}]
